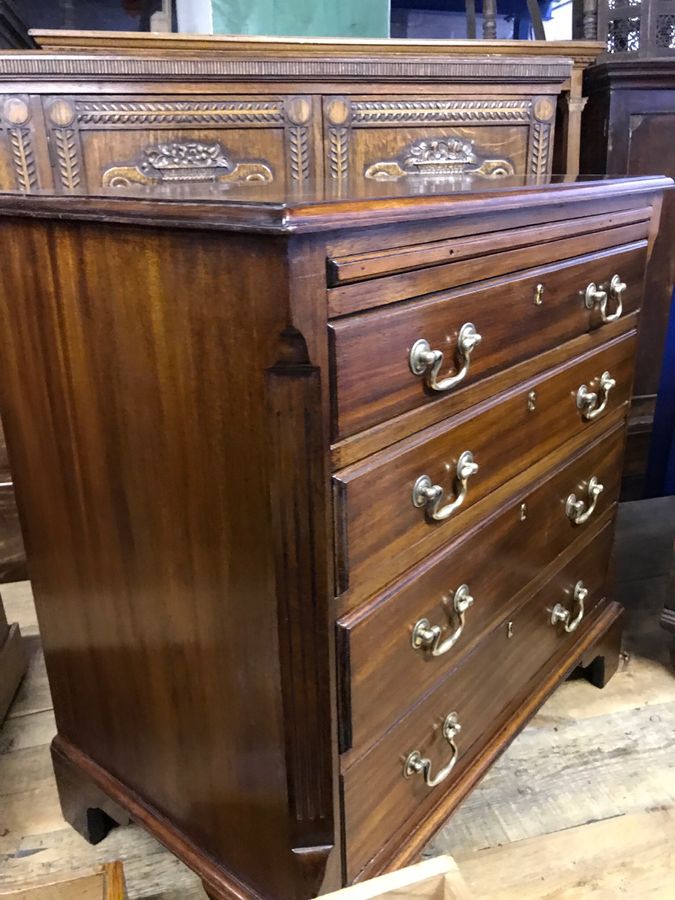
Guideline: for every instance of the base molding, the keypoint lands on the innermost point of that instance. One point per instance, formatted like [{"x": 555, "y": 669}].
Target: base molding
[
  {"x": 94, "y": 801},
  {"x": 12, "y": 665}
]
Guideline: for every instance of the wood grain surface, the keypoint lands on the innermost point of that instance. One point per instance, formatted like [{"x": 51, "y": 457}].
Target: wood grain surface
[
  {"x": 380, "y": 529},
  {"x": 520, "y": 544}
]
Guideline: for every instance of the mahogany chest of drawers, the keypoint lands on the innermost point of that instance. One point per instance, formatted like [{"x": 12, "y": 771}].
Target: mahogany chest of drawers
[{"x": 318, "y": 494}]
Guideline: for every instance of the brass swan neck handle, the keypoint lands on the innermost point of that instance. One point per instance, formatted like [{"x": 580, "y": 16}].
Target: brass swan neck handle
[
  {"x": 426, "y": 636},
  {"x": 417, "y": 764},
  {"x": 427, "y": 495},
  {"x": 425, "y": 361}
]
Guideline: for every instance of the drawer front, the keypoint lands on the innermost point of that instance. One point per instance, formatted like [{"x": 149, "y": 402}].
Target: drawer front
[
  {"x": 359, "y": 296},
  {"x": 520, "y": 542},
  {"x": 482, "y": 692},
  {"x": 384, "y": 523},
  {"x": 517, "y": 318},
  {"x": 392, "y": 137},
  {"x": 168, "y": 140}
]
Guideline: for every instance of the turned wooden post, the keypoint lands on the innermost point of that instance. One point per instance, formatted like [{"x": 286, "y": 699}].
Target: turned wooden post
[{"x": 489, "y": 19}]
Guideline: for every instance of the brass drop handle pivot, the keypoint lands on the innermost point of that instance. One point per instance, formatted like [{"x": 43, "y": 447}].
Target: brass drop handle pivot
[
  {"x": 597, "y": 295},
  {"x": 417, "y": 764},
  {"x": 427, "y": 495},
  {"x": 593, "y": 403},
  {"x": 426, "y": 636},
  {"x": 560, "y": 613},
  {"x": 580, "y": 511},
  {"x": 425, "y": 361}
]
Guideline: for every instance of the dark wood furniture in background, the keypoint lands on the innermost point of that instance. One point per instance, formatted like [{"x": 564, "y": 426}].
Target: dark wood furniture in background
[
  {"x": 12, "y": 553},
  {"x": 629, "y": 128},
  {"x": 291, "y": 522},
  {"x": 668, "y": 612},
  {"x": 12, "y": 662},
  {"x": 13, "y": 31}
]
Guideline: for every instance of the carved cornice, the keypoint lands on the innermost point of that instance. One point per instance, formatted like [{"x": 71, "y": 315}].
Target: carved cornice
[{"x": 78, "y": 66}]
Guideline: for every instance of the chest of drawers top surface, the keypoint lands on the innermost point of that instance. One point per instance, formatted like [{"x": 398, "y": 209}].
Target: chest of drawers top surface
[
  {"x": 320, "y": 206},
  {"x": 318, "y": 489}
]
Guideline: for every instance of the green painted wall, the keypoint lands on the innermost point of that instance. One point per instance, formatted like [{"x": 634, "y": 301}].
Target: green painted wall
[{"x": 304, "y": 18}]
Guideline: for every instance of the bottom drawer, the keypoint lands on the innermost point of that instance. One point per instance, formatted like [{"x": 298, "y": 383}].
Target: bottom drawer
[{"x": 479, "y": 695}]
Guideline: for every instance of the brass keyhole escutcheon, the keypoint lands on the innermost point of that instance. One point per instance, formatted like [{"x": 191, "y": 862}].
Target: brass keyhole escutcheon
[
  {"x": 532, "y": 401},
  {"x": 539, "y": 295}
]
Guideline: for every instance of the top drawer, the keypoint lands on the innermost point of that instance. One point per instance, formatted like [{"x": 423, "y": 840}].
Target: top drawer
[
  {"x": 389, "y": 361},
  {"x": 401, "y": 273}
]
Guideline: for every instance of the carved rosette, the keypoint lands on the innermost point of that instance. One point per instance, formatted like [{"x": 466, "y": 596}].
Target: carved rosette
[
  {"x": 186, "y": 162},
  {"x": 439, "y": 158},
  {"x": 539, "y": 156},
  {"x": 15, "y": 119}
]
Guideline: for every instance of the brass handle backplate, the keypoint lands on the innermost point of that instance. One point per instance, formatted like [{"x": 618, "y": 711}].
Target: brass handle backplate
[
  {"x": 426, "y": 636},
  {"x": 597, "y": 295},
  {"x": 559, "y": 613},
  {"x": 427, "y": 495},
  {"x": 580, "y": 511},
  {"x": 425, "y": 361},
  {"x": 416, "y": 763},
  {"x": 593, "y": 403}
]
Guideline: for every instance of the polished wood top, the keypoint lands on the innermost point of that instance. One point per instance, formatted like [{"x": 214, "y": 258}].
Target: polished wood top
[{"x": 322, "y": 207}]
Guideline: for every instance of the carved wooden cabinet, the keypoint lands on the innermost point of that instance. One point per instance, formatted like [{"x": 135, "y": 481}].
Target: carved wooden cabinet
[
  {"x": 318, "y": 495},
  {"x": 629, "y": 129},
  {"x": 281, "y": 112}
]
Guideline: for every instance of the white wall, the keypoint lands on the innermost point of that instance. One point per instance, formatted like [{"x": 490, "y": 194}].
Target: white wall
[{"x": 194, "y": 16}]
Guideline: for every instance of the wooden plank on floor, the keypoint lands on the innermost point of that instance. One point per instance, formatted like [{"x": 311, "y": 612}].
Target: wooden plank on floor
[
  {"x": 105, "y": 883},
  {"x": 17, "y": 598},
  {"x": 642, "y": 682},
  {"x": 150, "y": 870},
  {"x": 630, "y": 855},
  {"x": 21, "y": 732},
  {"x": 562, "y": 773},
  {"x": 33, "y": 694}
]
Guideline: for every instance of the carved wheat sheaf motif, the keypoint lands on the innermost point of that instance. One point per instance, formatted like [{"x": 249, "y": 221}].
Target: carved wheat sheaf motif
[
  {"x": 338, "y": 153},
  {"x": 539, "y": 148},
  {"x": 178, "y": 113},
  {"x": 412, "y": 112},
  {"x": 299, "y": 153},
  {"x": 23, "y": 158},
  {"x": 67, "y": 157}
]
